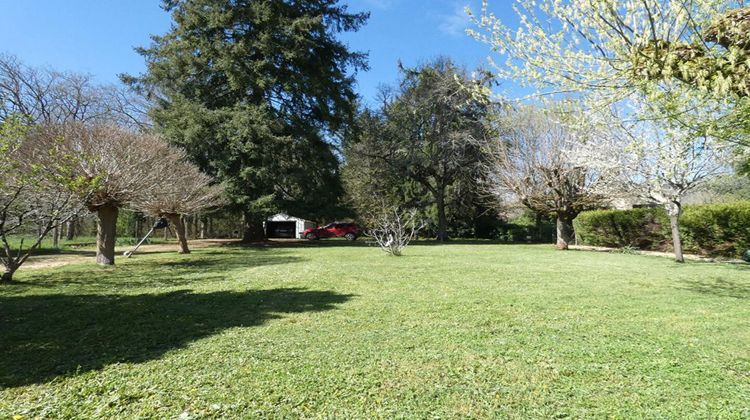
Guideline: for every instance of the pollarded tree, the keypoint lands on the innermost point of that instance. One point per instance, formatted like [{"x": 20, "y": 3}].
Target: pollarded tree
[
  {"x": 179, "y": 188},
  {"x": 39, "y": 187},
  {"x": 121, "y": 162},
  {"x": 529, "y": 163},
  {"x": 250, "y": 90}
]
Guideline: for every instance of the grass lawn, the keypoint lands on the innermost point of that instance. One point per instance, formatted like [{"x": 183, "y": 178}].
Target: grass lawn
[{"x": 344, "y": 331}]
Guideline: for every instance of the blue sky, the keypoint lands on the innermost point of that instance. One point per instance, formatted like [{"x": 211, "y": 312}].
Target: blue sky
[{"x": 98, "y": 36}]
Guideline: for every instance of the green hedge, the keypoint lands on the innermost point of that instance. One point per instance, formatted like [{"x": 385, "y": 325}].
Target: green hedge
[
  {"x": 714, "y": 230},
  {"x": 717, "y": 229},
  {"x": 646, "y": 228}
]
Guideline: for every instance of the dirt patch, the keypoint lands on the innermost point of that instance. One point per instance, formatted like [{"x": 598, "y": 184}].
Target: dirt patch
[
  {"x": 88, "y": 256},
  {"x": 690, "y": 257}
]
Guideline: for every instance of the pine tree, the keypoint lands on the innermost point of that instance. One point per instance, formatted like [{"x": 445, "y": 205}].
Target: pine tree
[{"x": 254, "y": 91}]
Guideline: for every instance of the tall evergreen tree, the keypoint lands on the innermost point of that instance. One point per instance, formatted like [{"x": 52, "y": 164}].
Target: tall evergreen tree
[{"x": 252, "y": 90}]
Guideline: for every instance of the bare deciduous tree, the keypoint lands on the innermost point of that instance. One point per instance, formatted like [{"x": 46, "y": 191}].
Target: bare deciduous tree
[
  {"x": 120, "y": 163},
  {"x": 528, "y": 164},
  {"x": 179, "y": 189},
  {"x": 395, "y": 228},
  {"x": 47, "y": 96},
  {"x": 39, "y": 187}
]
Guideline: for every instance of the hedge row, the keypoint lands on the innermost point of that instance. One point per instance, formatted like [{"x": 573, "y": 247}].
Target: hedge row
[{"x": 714, "y": 230}]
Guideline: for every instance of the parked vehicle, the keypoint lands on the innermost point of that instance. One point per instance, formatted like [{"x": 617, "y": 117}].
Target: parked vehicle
[{"x": 350, "y": 231}]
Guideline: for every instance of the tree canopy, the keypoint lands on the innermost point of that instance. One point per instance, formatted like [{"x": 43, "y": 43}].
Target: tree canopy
[
  {"x": 254, "y": 92},
  {"x": 421, "y": 142}
]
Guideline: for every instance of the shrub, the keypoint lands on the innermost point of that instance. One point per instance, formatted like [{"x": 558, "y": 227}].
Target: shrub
[
  {"x": 527, "y": 228},
  {"x": 717, "y": 229},
  {"x": 645, "y": 228},
  {"x": 714, "y": 230},
  {"x": 394, "y": 229}
]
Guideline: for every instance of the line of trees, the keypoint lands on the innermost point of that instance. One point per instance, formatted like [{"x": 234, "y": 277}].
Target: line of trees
[
  {"x": 54, "y": 171},
  {"x": 70, "y": 146},
  {"x": 258, "y": 97}
]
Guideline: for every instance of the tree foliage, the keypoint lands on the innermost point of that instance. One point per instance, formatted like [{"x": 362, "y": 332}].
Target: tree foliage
[
  {"x": 421, "y": 142},
  {"x": 253, "y": 91}
]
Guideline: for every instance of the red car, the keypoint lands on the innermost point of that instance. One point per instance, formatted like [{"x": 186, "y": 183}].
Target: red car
[{"x": 350, "y": 231}]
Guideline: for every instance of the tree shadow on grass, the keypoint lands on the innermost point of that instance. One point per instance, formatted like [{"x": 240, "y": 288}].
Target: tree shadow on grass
[
  {"x": 718, "y": 287},
  {"x": 44, "y": 337}
]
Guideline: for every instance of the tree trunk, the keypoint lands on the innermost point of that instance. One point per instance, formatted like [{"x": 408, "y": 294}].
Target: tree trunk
[
  {"x": 179, "y": 227},
  {"x": 674, "y": 210},
  {"x": 70, "y": 229},
  {"x": 7, "y": 276},
  {"x": 538, "y": 220},
  {"x": 252, "y": 228},
  {"x": 204, "y": 226},
  {"x": 56, "y": 237},
  {"x": 106, "y": 230},
  {"x": 565, "y": 231},
  {"x": 138, "y": 233},
  {"x": 186, "y": 226},
  {"x": 442, "y": 230}
]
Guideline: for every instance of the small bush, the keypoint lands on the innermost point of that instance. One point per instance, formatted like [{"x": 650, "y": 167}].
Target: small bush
[{"x": 394, "y": 229}]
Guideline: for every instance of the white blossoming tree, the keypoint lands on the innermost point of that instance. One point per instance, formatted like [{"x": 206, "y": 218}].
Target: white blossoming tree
[
  {"x": 677, "y": 54},
  {"x": 642, "y": 58},
  {"x": 651, "y": 162},
  {"x": 599, "y": 47}
]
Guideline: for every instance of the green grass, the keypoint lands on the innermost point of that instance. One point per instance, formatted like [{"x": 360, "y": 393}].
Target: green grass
[{"x": 344, "y": 331}]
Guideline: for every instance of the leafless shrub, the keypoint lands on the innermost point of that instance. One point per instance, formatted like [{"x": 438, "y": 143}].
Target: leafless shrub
[{"x": 395, "y": 228}]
